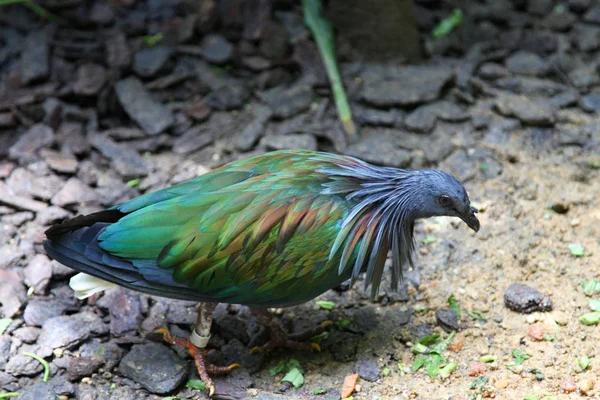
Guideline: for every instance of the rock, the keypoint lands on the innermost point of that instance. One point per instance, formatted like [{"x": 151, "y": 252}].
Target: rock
[
  {"x": 39, "y": 311},
  {"x": 89, "y": 79},
  {"x": 8, "y": 197},
  {"x": 376, "y": 149},
  {"x": 70, "y": 136},
  {"x": 74, "y": 192},
  {"x": 83, "y": 366},
  {"x": 590, "y": 102},
  {"x": 525, "y": 299},
  {"x": 126, "y": 161},
  {"x": 12, "y": 298},
  {"x": 236, "y": 352},
  {"x": 254, "y": 130},
  {"x": 52, "y": 215},
  {"x": 447, "y": 318},
  {"x": 579, "y": 6},
  {"x": 38, "y": 391},
  {"x": 216, "y": 49},
  {"x": 38, "y": 273},
  {"x": 102, "y": 13},
  {"x": 118, "y": 54},
  {"x": 198, "y": 110},
  {"x": 20, "y": 365},
  {"x": 152, "y": 116},
  {"x": 37, "y": 137},
  {"x": 285, "y": 102},
  {"x": 586, "y": 37},
  {"x": 60, "y": 162},
  {"x": 593, "y": 15},
  {"x": 147, "y": 62},
  {"x": 23, "y": 182},
  {"x": 342, "y": 345},
  {"x": 5, "y": 353},
  {"x": 584, "y": 77},
  {"x": 28, "y": 334},
  {"x": 376, "y": 117},
  {"x": 9, "y": 256},
  {"x": 424, "y": 117},
  {"x": 274, "y": 41},
  {"x": 155, "y": 367},
  {"x": 35, "y": 57},
  {"x": 300, "y": 141},
  {"x": 192, "y": 140},
  {"x": 68, "y": 331},
  {"x": 526, "y": 110},
  {"x": 17, "y": 219},
  {"x": 565, "y": 99},
  {"x": 407, "y": 86},
  {"x": 125, "y": 313},
  {"x": 227, "y": 93},
  {"x": 539, "y": 7},
  {"x": 526, "y": 63},
  {"x": 109, "y": 351},
  {"x": 367, "y": 370},
  {"x": 492, "y": 71}
]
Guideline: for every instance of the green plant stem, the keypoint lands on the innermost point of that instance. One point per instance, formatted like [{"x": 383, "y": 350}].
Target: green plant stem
[
  {"x": 33, "y": 6},
  {"x": 323, "y": 34},
  {"x": 43, "y": 362}
]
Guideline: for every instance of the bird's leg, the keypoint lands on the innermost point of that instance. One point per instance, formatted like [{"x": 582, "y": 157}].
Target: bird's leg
[
  {"x": 279, "y": 338},
  {"x": 196, "y": 344}
]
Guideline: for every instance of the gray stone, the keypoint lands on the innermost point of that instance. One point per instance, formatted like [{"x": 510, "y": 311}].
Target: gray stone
[
  {"x": 424, "y": 117},
  {"x": 460, "y": 165},
  {"x": 590, "y": 102},
  {"x": 17, "y": 219},
  {"x": 254, "y": 130},
  {"x": 528, "y": 111},
  {"x": 192, "y": 140},
  {"x": 5, "y": 345},
  {"x": 447, "y": 318},
  {"x": 125, "y": 313},
  {"x": 342, "y": 345},
  {"x": 24, "y": 182},
  {"x": 526, "y": 63},
  {"x": 147, "y": 62},
  {"x": 565, "y": 99},
  {"x": 71, "y": 138},
  {"x": 28, "y": 334},
  {"x": 37, "y": 137},
  {"x": 40, "y": 310},
  {"x": 38, "y": 391},
  {"x": 126, "y": 161},
  {"x": 12, "y": 298},
  {"x": 227, "y": 93},
  {"x": 367, "y": 370},
  {"x": 524, "y": 299},
  {"x": 60, "y": 162},
  {"x": 285, "y": 102},
  {"x": 377, "y": 149},
  {"x": 74, "y": 192},
  {"x": 216, "y": 49},
  {"x": 408, "y": 86},
  {"x": 587, "y": 37},
  {"x": 376, "y": 117},
  {"x": 155, "y": 367},
  {"x": 35, "y": 58},
  {"x": 593, "y": 15},
  {"x": 52, "y": 215},
  {"x": 492, "y": 71},
  {"x": 584, "y": 77},
  {"x": 21, "y": 365},
  {"x": 152, "y": 116},
  {"x": 68, "y": 331},
  {"x": 118, "y": 54},
  {"x": 300, "y": 141},
  {"x": 89, "y": 79},
  {"x": 38, "y": 273},
  {"x": 83, "y": 366}
]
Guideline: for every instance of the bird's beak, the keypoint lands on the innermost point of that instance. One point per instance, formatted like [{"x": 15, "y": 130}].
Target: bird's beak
[{"x": 470, "y": 219}]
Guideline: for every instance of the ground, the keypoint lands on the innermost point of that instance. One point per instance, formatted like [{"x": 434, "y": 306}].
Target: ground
[{"x": 132, "y": 96}]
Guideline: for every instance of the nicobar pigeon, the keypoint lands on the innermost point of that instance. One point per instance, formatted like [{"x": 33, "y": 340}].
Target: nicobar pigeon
[{"x": 273, "y": 230}]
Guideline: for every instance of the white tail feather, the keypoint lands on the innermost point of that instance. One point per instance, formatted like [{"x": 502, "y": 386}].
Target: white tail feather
[{"x": 86, "y": 285}]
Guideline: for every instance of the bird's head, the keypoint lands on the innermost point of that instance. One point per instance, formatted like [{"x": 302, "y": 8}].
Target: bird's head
[{"x": 441, "y": 194}]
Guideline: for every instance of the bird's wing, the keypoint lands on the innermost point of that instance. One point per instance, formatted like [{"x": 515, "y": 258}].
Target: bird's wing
[{"x": 246, "y": 229}]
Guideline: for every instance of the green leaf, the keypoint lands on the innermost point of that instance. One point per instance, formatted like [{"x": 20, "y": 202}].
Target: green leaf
[
  {"x": 419, "y": 349},
  {"x": 590, "y": 287},
  {"x": 429, "y": 339},
  {"x": 326, "y": 305},
  {"x": 583, "y": 362},
  {"x": 195, "y": 384},
  {"x": 152, "y": 40},
  {"x": 433, "y": 365},
  {"x": 295, "y": 377},
  {"x": 594, "y": 304},
  {"x": 519, "y": 356},
  {"x": 4, "y": 324},
  {"x": 323, "y": 34},
  {"x": 477, "y": 315},
  {"x": 319, "y": 391},
  {"x": 592, "y": 318},
  {"x": 134, "y": 182},
  {"x": 447, "y": 370},
  {"x": 448, "y": 24},
  {"x": 453, "y": 304},
  {"x": 488, "y": 358},
  {"x": 531, "y": 398},
  {"x": 320, "y": 337},
  {"x": 420, "y": 360},
  {"x": 344, "y": 323},
  {"x": 428, "y": 239},
  {"x": 595, "y": 164},
  {"x": 576, "y": 250}
]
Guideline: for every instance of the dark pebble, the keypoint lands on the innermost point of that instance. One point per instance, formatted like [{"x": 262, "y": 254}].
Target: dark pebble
[
  {"x": 40, "y": 310},
  {"x": 155, "y": 367},
  {"x": 37, "y": 137},
  {"x": 285, "y": 102},
  {"x": 35, "y": 58},
  {"x": 192, "y": 140},
  {"x": 525, "y": 299},
  {"x": 89, "y": 79},
  {"x": 125, "y": 160},
  {"x": 38, "y": 391},
  {"x": 236, "y": 352},
  {"x": 367, "y": 370},
  {"x": 125, "y": 312},
  {"x": 80, "y": 367},
  {"x": 377, "y": 149},
  {"x": 590, "y": 102},
  {"x": 447, "y": 318},
  {"x": 300, "y": 141},
  {"x": 216, "y": 49},
  {"x": 342, "y": 345},
  {"x": 147, "y": 62}
]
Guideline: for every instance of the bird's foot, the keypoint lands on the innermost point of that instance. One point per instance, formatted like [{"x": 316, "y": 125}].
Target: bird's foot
[
  {"x": 199, "y": 354},
  {"x": 278, "y": 338}
]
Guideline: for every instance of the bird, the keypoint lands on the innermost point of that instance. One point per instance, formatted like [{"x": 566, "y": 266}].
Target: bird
[{"x": 272, "y": 230}]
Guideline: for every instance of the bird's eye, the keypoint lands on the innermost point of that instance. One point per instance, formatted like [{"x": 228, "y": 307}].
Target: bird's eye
[{"x": 444, "y": 200}]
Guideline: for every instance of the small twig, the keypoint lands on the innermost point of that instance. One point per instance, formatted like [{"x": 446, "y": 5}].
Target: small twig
[
  {"x": 9, "y": 394},
  {"x": 43, "y": 362},
  {"x": 323, "y": 33}
]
